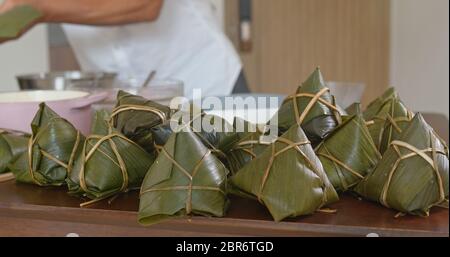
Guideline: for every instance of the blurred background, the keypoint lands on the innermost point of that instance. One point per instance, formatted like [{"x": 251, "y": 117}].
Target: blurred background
[{"x": 380, "y": 43}]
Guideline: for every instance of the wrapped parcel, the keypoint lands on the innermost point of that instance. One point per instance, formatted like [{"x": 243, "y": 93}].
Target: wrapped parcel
[
  {"x": 135, "y": 116},
  {"x": 108, "y": 164},
  {"x": 313, "y": 107},
  {"x": 348, "y": 154},
  {"x": 388, "y": 124},
  {"x": 287, "y": 177},
  {"x": 54, "y": 145},
  {"x": 185, "y": 179},
  {"x": 12, "y": 145},
  {"x": 412, "y": 176}
]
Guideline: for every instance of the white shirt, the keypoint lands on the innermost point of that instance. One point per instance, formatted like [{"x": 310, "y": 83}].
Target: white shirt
[{"x": 184, "y": 43}]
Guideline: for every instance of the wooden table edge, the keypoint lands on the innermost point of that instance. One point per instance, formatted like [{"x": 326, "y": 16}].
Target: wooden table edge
[{"x": 202, "y": 225}]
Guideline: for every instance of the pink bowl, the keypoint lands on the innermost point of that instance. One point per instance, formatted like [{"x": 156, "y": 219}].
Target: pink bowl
[{"x": 17, "y": 109}]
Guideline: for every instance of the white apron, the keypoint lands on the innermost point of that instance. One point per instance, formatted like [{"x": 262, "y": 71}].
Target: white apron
[{"x": 185, "y": 43}]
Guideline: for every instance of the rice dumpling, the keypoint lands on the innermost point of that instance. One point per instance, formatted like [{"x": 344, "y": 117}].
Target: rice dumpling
[
  {"x": 51, "y": 150},
  {"x": 287, "y": 177},
  {"x": 354, "y": 109},
  {"x": 313, "y": 107},
  {"x": 214, "y": 132},
  {"x": 388, "y": 124},
  {"x": 109, "y": 164},
  {"x": 412, "y": 176},
  {"x": 375, "y": 106},
  {"x": 250, "y": 144},
  {"x": 12, "y": 144},
  {"x": 135, "y": 116},
  {"x": 185, "y": 179},
  {"x": 348, "y": 153}
]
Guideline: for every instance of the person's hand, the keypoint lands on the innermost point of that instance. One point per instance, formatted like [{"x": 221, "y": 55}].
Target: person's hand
[{"x": 8, "y": 5}]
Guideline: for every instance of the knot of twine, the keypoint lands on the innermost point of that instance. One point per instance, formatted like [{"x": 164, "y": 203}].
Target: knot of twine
[
  {"x": 190, "y": 175},
  {"x": 118, "y": 161},
  {"x": 315, "y": 98},
  {"x": 247, "y": 146},
  {"x": 389, "y": 123},
  {"x": 289, "y": 145},
  {"x": 247, "y": 143}
]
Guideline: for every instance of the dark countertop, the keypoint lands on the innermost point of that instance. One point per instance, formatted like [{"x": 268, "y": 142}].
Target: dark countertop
[{"x": 31, "y": 210}]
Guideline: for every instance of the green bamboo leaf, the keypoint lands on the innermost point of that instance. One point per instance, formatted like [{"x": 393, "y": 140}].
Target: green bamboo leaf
[
  {"x": 12, "y": 145},
  {"x": 318, "y": 119},
  {"x": 180, "y": 184},
  {"x": 388, "y": 124},
  {"x": 16, "y": 20},
  {"x": 100, "y": 124},
  {"x": 135, "y": 116},
  {"x": 219, "y": 137},
  {"x": 55, "y": 145},
  {"x": 248, "y": 146},
  {"x": 412, "y": 176},
  {"x": 287, "y": 177},
  {"x": 348, "y": 153},
  {"x": 109, "y": 163},
  {"x": 375, "y": 106},
  {"x": 354, "y": 109}
]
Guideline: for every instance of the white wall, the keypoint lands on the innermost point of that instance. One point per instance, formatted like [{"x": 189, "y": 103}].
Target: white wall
[
  {"x": 419, "y": 53},
  {"x": 29, "y": 54}
]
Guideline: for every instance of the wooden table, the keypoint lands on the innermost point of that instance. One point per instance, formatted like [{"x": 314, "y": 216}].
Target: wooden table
[{"x": 27, "y": 210}]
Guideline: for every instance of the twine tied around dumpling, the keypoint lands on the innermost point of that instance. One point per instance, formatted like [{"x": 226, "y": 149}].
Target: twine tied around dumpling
[
  {"x": 296, "y": 146},
  {"x": 412, "y": 152},
  {"x": 248, "y": 146},
  {"x": 190, "y": 175},
  {"x": 336, "y": 162},
  {"x": 33, "y": 140},
  {"x": 390, "y": 121},
  {"x": 213, "y": 149},
  {"x": 315, "y": 98},
  {"x": 120, "y": 162},
  {"x": 131, "y": 107},
  {"x": 290, "y": 145}
]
